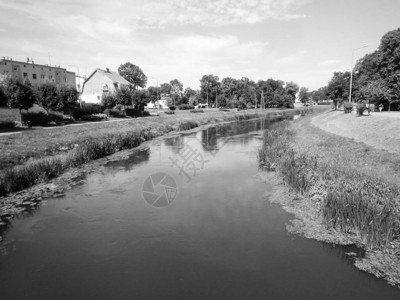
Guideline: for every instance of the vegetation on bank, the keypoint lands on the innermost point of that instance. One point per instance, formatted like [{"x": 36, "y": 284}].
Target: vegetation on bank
[
  {"x": 76, "y": 146},
  {"x": 344, "y": 178}
]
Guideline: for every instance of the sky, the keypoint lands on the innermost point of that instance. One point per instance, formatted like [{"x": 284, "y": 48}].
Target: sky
[{"x": 304, "y": 41}]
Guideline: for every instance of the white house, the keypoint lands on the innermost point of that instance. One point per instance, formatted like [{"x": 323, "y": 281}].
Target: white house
[{"x": 99, "y": 83}]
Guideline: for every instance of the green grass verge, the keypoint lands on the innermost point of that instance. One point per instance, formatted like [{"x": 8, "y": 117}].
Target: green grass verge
[{"x": 357, "y": 186}]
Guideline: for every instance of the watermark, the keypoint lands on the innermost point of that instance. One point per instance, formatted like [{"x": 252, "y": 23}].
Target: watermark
[{"x": 159, "y": 189}]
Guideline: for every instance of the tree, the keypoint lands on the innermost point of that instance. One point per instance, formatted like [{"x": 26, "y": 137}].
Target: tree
[
  {"x": 140, "y": 99},
  {"x": 67, "y": 98},
  {"x": 47, "y": 96},
  {"x": 209, "y": 85},
  {"x": 338, "y": 87},
  {"x": 165, "y": 88},
  {"x": 124, "y": 96},
  {"x": 176, "y": 90},
  {"x": 292, "y": 89},
  {"x": 304, "y": 95},
  {"x": 109, "y": 100},
  {"x": 19, "y": 95},
  {"x": 133, "y": 74},
  {"x": 152, "y": 94}
]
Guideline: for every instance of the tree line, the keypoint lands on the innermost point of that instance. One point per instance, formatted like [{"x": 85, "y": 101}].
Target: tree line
[
  {"x": 376, "y": 77},
  {"x": 228, "y": 92}
]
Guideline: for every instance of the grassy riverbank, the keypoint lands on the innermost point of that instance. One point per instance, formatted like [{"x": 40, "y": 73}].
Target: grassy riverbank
[
  {"x": 353, "y": 187},
  {"x": 39, "y": 155}
]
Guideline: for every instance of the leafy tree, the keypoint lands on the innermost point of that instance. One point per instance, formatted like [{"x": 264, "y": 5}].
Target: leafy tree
[
  {"x": 19, "y": 95},
  {"x": 47, "y": 96},
  {"x": 176, "y": 90},
  {"x": 109, "y": 100},
  {"x": 124, "y": 96},
  {"x": 153, "y": 94},
  {"x": 292, "y": 89},
  {"x": 209, "y": 85},
  {"x": 165, "y": 88},
  {"x": 67, "y": 97},
  {"x": 304, "y": 95},
  {"x": 133, "y": 74},
  {"x": 140, "y": 99},
  {"x": 338, "y": 87}
]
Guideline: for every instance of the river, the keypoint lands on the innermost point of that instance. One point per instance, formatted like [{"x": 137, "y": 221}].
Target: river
[{"x": 186, "y": 217}]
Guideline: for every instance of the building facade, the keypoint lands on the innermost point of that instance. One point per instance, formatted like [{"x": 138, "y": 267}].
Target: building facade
[
  {"x": 36, "y": 73},
  {"x": 100, "y": 83}
]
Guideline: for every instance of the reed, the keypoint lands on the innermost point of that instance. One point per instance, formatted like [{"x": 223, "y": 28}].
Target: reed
[{"x": 355, "y": 201}]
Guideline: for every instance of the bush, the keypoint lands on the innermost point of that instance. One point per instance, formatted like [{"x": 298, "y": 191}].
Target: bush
[
  {"x": 168, "y": 112},
  {"x": 7, "y": 124},
  {"x": 145, "y": 113},
  {"x": 56, "y": 117},
  {"x": 133, "y": 112},
  {"x": 185, "y": 106},
  {"x": 187, "y": 125},
  {"x": 87, "y": 109},
  {"x": 361, "y": 107},
  {"x": 172, "y": 107},
  {"x": 195, "y": 111},
  {"x": 115, "y": 113},
  {"x": 347, "y": 107},
  {"x": 35, "y": 118},
  {"x": 99, "y": 117}
]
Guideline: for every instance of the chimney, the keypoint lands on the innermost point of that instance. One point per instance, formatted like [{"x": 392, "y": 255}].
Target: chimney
[{"x": 107, "y": 70}]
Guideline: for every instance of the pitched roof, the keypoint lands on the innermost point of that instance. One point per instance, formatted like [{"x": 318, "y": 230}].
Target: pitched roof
[{"x": 113, "y": 76}]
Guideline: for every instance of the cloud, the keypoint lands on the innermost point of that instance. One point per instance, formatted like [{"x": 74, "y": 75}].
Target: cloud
[
  {"x": 329, "y": 62},
  {"x": 292, "y": 58},
  {"x": 217, "y": 12}
]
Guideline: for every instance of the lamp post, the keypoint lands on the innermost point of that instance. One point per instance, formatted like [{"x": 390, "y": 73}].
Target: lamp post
[{"x": 351, "y": 70}]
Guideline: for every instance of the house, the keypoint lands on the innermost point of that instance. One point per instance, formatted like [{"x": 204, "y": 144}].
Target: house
[
  {"x": 101, "y": 83},
  {"x": 35, "y": 73}
]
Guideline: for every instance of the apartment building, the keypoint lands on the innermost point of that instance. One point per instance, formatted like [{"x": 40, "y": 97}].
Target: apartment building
[{"x": 36, "y": 73}]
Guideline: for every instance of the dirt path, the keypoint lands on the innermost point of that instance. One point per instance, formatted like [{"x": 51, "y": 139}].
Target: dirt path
[{"x": 380, "y": 130}]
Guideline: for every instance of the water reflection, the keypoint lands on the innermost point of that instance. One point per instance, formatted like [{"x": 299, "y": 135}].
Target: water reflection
[{"x": 137, "y": 157}]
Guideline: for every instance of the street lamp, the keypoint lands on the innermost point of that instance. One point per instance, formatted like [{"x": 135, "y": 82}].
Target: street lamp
[{"x": 351, "y": 70}]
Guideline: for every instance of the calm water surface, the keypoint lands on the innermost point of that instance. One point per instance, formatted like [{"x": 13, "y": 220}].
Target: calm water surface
[{"x": 219, "y": 237}]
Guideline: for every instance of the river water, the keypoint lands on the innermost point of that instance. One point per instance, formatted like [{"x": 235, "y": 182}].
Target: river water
[{"x": 185, "y": 218}]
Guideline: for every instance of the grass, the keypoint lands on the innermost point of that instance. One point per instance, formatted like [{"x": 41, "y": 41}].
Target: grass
[
  {"x": 38, "y": 155},
  {"x": 357, "y": 185}
]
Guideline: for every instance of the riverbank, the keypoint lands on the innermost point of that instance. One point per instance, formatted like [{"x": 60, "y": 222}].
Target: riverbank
[{"x": 340, "y": 191}]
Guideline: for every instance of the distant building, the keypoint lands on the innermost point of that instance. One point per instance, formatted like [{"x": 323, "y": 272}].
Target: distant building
[
  {"x": 36, "y": 73},
  {"x": 101, "y": 82}
]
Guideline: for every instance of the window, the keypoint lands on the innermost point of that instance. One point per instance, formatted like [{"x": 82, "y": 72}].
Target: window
[
  {"x": 15, "y": 69},
  {"x": 34, "y": 76},
  {"x": 42, "y": 76},
  {"x": 33, "y": 66},
  {"x": 105, "y": 88},
  {"x": 50, "y": 76},
  {"x": 56, "y": 73},
  {"x": 24, "y": 66},
  {"x": 25, "y": 75}
]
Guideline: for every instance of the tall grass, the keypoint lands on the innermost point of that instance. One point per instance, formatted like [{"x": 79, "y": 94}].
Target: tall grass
[{"x": 354, "y": 201}]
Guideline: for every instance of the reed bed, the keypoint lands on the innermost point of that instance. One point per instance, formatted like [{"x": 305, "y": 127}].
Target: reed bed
[{"x": 354, "y": 201}]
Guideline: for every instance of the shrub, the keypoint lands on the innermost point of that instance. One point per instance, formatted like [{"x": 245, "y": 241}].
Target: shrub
[
  {"x": 7, "y": 124},
  {"x": 186, "y": 125},
  {"x": 361, "y": 107},
  {"x": 185, "y": 106},
  {"x": 145, "y": 113},
  {"x": 172, "y": 107},
  {"x": 115, "y": 113},
  {"x": 35, "y": 118},
  {"x": 87, "y": 109},
  {"x": 197, "y": 111},
  {"x": 168, "y": 112},
  {"x": 56, "y": 117},
  {"x": 120, "y": 107},
  {"x": 99, "y": 117},
  {"x": 133, "y": 112},
  {"x": 347, "y": 107}
]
